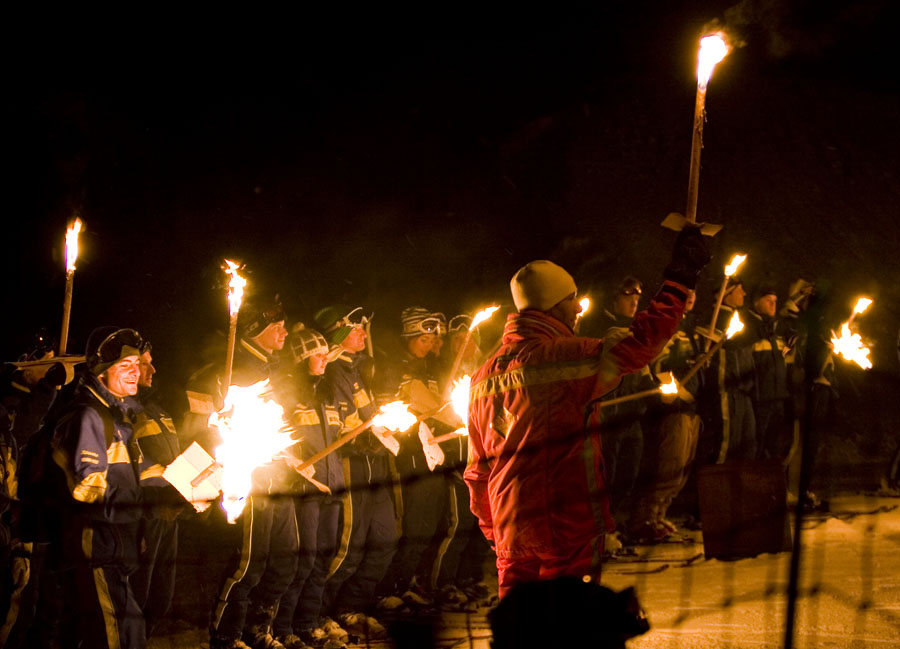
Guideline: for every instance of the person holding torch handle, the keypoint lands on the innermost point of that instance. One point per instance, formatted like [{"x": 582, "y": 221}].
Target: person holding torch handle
[
  {"x": 259, "y": 574},
  {"x": 316, "y": 423},
  {"x": 726, "y": 403},
  {"x": 535, "y": 474},
  {"x": 368, "y": 534}
]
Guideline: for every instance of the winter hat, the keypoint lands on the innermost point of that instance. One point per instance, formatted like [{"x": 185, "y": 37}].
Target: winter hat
[
  {"x": 418, "y": 321},
  {"x": 257, "y": 314},
  {"x": 541, "y": 285},
  {"x": 764, "y": 289},
  {"x": 106, "y": 346},
  {"x": 304, "y": 342}
]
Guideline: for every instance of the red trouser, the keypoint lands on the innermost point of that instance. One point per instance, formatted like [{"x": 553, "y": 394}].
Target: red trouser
[{"x": 581, "y": 562}]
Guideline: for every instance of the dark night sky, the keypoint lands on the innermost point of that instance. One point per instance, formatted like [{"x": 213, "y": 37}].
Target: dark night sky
[{"x": 390, "y": 172}]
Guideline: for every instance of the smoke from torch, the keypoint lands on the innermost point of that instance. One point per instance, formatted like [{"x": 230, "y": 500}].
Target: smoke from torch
[{"x": 71, "y": 257}]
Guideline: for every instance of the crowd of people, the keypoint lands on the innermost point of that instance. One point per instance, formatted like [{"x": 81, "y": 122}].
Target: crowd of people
[{"x": 549, "y": 479}]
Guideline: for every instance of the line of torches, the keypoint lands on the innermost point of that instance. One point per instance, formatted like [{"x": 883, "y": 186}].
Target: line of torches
[{"x": 252, "y": 424}]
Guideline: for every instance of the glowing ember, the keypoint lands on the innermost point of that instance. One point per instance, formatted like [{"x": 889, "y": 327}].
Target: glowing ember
[
  {"x": 253, "y": 431},
  {"x": 481, "y": 316},
  {"x": 734, "y": 264},
  {"x": 459, "y": 397},
  {"x": 394, "y": 416},
  {"x": 72, "y": 245},
  {"x": 850, "y": 346},
  {"x": 235, "y": 287},
  {"x": 670, "y": 387},
  {"x": 862, "y": 304},
  {"x": 585, "y": 304},
  {"x": 734, "y": 327},
  {"x": 712, "y": 50}
]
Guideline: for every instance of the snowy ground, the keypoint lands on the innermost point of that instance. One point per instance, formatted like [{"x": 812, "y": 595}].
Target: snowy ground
[{"x": 850, "y": 591}]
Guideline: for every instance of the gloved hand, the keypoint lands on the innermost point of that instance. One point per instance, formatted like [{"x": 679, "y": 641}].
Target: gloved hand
[{"x": 690, "y": 255}]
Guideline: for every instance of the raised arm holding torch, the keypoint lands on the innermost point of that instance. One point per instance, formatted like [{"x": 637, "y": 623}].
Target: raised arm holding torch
[
  {"x": 734, "y": 327},
  {"x": 71, "y": 257}
]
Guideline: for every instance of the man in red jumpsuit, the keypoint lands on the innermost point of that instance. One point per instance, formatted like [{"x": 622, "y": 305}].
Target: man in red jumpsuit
[{"x": 535, "y": 468}]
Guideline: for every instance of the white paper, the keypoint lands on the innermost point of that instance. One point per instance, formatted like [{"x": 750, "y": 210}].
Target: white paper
[
  {"x": 187, "y": 467},
  {"x": 433, "y": 453}
]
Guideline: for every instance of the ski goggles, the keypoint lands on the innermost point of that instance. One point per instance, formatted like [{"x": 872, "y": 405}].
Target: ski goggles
[
  {"x": 630, "y": 290},
  {"x": 442, "y": 324},
  {"x": 356, "y": 318},
  {"x": 114, "y": 346},
  {"x": 460, "y": 323},
  {"x": 429, "y": 325}
]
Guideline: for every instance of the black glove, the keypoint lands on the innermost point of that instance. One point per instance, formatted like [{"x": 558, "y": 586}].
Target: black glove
[
  {"x": 690, "y": 255},
  {"x": 56, "y": 375}
]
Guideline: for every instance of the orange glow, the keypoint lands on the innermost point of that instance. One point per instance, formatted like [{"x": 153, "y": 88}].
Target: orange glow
[
  {"x": 735, "y": 326},
  {"x": 734, "y": 264},
  {"x": 481, "y": 316},
  {"x": 72, "y": 245},
  {"x": 394, "y": 416},
  {"x": 459, "y": 397},
  {"x": 850, "y": 346},
  {"x": 235, "y": 287},
  {"x": 669, "y": 387},
  {"x": 862, "y": 304},
  {"x": 252, "y": 427},
  {"x": 712, "y": 50}
]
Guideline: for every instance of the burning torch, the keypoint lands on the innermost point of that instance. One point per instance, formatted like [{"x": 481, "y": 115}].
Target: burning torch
[
  {"x": 734, "y": 327},
  {"x": 712, "y": 50},
  {"x": 394, "y": 416},
  {"x": 730, "y": 270},
  {"x": 235, "y": 295},
  {"x": 850, "y": 345},
  {"x": 585, "y": 304},
  {"x": 480, "y": 317},
  {"x": 459, "y": 398},
  {"x": 71, "y": 257}
]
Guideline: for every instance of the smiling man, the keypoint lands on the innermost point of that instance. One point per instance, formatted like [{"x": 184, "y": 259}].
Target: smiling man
[{"x": 95, "y": 448}]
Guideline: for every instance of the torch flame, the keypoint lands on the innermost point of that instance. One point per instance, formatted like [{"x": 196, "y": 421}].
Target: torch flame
[
  {"x": 235, "y": 287},
  {"x": 712, "y": 50},
  {"x": 72, "y": 245},
  {"x": 585, "y": 304},
  {"x": 252, "y": 427},
  {"x": 735, "y": 326},
  {"x": 394, "y": 416},
  {"x": 481, "y": 316},
  {"x": 670, "y": 387},
  {"x": 850, "y": 346},
  {"x": 861, "y": 305},
  {"x": 459, "y": 397},
  {"x": 734, "y": 264}
]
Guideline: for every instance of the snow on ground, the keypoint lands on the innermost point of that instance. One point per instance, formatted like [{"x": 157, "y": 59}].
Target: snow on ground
[{"x": 850, "y": 591}]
